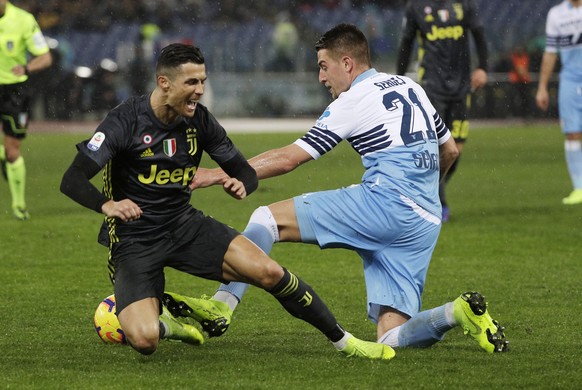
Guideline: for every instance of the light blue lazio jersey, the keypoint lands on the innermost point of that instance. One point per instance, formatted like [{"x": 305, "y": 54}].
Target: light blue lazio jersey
[
  {"x": 564, "y": 35},
  {"x": 392, "y": 125}
]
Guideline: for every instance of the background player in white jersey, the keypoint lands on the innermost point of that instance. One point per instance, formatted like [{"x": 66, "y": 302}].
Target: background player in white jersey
[
  {"x": 391, "y": 219},
  {"x": 564, "y": 38}
]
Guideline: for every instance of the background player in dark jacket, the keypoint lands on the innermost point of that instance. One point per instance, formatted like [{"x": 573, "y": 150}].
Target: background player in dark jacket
[
  {"x": 442, "y": 28},
  {"x": 150, "y": 147}
]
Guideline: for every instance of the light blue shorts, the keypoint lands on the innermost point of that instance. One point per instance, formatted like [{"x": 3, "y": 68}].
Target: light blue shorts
[
  {"x": 570, "y": 106},
  {"x": 394, "y": 238}
]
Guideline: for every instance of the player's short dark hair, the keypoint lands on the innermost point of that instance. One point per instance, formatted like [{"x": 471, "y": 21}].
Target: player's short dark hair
[
  {"x": 176, "y": 54},
  {"x": 346, "y": 39}
]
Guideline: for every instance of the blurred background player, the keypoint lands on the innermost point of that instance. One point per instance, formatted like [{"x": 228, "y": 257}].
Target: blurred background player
[
  {"x": 442, "y": 27},
  {"x": 519, "y": 77},
  {"x": 563, "y": 38},
  {"x": 20, "y": 34}
]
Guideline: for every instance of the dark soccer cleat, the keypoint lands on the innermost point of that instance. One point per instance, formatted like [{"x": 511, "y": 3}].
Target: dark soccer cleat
[
  {"x": 470, "y": 311},
  {"x": 214, "y": 316}
]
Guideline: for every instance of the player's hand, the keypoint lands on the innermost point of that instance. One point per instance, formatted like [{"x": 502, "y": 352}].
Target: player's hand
[
  {"x": 235, "y": 188},
  {"x": 543, "y": 99},
  {"x": 19, "y": 70},
  {"x": 126, "y": 210},
  {"x": 207, "y": 177},
  {"x": 478, "y": 79}
]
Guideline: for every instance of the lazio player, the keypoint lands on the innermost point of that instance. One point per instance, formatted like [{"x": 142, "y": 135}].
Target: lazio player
[
  {"x": 19, "y": 35},
  {"x": 442, "y": 28},
  {"x": 392, "y": 218},
  {"x": 564, "y": 38}
]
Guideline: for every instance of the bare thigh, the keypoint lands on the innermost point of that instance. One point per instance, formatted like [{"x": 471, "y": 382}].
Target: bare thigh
[
  {"x": 284, "y": 214},
  {"x": 246, "y": 262},
  {"x": 390, "y": 318}
]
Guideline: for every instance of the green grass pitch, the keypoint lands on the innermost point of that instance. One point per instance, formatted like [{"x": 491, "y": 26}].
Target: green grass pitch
[{"x": 509, "y": 237}]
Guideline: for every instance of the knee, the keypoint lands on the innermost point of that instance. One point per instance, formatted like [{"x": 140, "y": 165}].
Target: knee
[
  {"x": 271, "y": 274},
  {"x": 12, "y": 154},
  {"x": 264, "y": 217},
  {"x": 144, "y": 345},
  {"x": 144, "y": 341}
]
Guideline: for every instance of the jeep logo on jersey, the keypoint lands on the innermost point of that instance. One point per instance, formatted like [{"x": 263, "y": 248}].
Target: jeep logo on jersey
[
  {"x": 454, "y": 32},
  {"x": 170, "y": 147},
  {"x": 164, "y": 176}
]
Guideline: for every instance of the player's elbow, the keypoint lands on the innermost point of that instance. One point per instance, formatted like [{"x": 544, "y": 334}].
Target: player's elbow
[
  {"x": 66, "y": 183},
  {"x": 454, "y": 153},
  {"x": 451, "y": 155},
  {"x": 288, "y": 165},
  {"x": 291, "y": 157}
]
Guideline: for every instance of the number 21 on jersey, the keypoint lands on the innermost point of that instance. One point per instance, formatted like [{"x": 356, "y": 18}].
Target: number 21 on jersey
[{"x": 412, "y": 131}]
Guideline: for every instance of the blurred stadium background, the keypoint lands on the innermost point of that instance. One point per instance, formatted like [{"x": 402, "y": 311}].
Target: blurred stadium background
[{"x": 260, "y": 56}]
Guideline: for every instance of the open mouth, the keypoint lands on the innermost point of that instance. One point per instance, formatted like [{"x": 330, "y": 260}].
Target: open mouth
[{"x": 191, "y": 104}]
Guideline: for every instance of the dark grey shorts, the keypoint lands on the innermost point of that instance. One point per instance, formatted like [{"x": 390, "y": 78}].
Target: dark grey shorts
[
  {"x": 14, "y": 109},
  {"x": 196, "y": 247}
]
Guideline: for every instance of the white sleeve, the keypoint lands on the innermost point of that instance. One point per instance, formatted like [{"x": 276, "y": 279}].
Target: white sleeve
[
  {"x": 335, "y": 124},
  {"x": 552, "y": 32}
]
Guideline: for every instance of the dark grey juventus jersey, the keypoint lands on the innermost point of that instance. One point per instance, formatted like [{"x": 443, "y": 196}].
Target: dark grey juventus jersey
[
  {"x": 152, "y": 163},
  {"x": 442, "y": 28}
]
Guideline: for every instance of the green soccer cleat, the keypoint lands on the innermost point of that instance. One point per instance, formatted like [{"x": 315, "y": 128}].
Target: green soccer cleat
[
  {"x": 20, "y": 214},
  {"x": 367, "y": 349},
  {"x": 176, "y": 330},
  {"x": 214, "y": 316},
  {"x": 575, "y": 197},
  {"x": 470, "y": 311}
]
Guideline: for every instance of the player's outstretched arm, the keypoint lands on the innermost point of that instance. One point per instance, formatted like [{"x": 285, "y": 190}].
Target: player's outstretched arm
[
  {"x": 208, "y": 177},
  {"x": 276, "y": 162},
  {"x": 272, "y": 163},
  {"x": 236, "y": 175}
]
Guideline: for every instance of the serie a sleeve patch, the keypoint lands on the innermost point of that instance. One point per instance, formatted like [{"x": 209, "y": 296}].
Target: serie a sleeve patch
[{"x": 95, "y": 142}]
